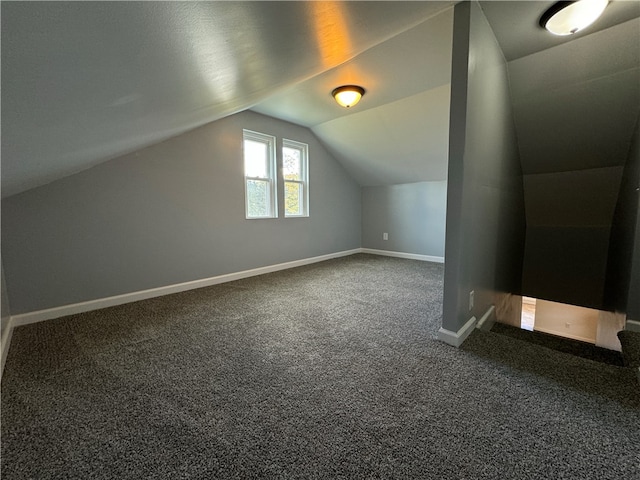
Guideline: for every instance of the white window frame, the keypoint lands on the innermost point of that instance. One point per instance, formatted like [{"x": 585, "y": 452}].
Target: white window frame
[
  {"x": 304, "y": 173},
  {"x": 272, "y": 190}
]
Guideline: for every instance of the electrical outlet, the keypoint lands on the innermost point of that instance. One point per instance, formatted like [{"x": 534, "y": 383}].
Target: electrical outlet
[
  {"x": 385, "y": 236},
  {"x": 471, "y": 294}
]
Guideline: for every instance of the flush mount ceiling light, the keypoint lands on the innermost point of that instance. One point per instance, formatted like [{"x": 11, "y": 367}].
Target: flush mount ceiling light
[
  {"x": 348, "y": 95},
  {"x": 567, "y": 18}
]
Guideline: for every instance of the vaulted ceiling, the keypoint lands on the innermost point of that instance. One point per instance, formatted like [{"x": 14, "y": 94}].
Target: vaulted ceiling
[
  {"x": 576, "y": 101},
  {"x": 83, "y": 82}
]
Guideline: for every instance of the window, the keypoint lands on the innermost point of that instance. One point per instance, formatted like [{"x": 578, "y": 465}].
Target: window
[
  {"x": 259, "y": 175},
  {"x": 261, "y": 200},
  {"x": 295, "y": 170}
]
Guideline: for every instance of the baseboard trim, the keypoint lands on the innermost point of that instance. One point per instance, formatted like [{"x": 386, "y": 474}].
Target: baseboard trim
[
  {"x": 632, "y": 325},
  {"x": 455, "y": 339},
  {"x": 72, "y": 309},
  {"x": 81, "y": 307},
  {"x": 4, "y": 345},
  {"x": 410, "y": 256},
  {"x": 487, "y": 320}
]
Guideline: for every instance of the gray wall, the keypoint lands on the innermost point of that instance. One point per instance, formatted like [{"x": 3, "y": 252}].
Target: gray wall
[
  {"x": 485, "y": 201},
  {"x": 413, "y": 215},
  {"x": 566, "y": 264},
  {"x": 170, "y": 213},
  {"x": 623, "y": 267},
  {"x": 570, "y": 217},
  {"x": 4, "y": 303},
  {"x": 633, "y": 302}
]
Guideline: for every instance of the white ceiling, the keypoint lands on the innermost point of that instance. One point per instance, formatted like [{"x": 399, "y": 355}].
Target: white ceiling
[
  {"x": 398, "y": 133},
  {"x": 576, "y": 104},
  {"x": 83, "y": 82},
  {"x": 412, "y": 62},
  {"x": 575, "y": 107},
  {"x": 515, "y": 24},
  {"x": 400, "y": 142}
]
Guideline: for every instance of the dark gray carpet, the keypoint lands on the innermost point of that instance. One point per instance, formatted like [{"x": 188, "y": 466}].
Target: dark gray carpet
[
  {"x": 630, "y": 342},
  {"x": 325, "y": 371},
  {"x": 561, "y": 344}
]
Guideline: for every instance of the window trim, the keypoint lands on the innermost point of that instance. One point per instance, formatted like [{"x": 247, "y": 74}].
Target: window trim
[
  {"x": 304, "y": 173},
  {"x": 272, "y": 180}
]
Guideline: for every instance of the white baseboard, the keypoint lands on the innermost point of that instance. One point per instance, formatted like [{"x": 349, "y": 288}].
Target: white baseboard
[
  {"x": 632, "y": 325},
  {"x": 72, "y": 309},
  {"x": 456, "y": 338},
  {"x": 410, "y": 256},
  {"x": 487, "y": 320},
  {"x": 4, "y": 345},
  {"x": 81, "y": 307}
]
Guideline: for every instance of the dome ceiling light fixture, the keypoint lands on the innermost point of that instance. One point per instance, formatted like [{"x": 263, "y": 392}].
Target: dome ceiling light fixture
[
  {"x": 567, "y": 18},
  {"x": 348, "y": 95}
]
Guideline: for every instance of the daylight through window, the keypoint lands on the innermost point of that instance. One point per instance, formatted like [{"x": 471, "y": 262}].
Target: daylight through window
[
  {"x": 295, "y": 166},
  {"x": 259, "y": 175}
]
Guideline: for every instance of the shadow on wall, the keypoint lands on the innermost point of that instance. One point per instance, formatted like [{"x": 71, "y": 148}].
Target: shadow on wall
[{"x": 581, "y": 239}]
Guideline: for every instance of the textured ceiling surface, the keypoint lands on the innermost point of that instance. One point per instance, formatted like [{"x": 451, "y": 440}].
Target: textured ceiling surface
[
  {"x": 83, "y": 82},
  {"x": 515, "y": 24},
  {"x": 575, "y": 107},
  {"x": 586, "y": 90},
  {"x": 399, "y": 132},
  {"x": 407, "y": 64},
  {"x": 401, "y": 142}
]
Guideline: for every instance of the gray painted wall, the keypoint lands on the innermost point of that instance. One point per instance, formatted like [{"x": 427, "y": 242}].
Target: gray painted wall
[
  {"x": 633, "y": 302},
  {"x": 4, "y": 303},
  {"x": 623, "y": 268},
  {"x": 566, "y": 264},
  {"x": 485, "y": 202},
  {"x": 169, "y": 213},
  {"x": 570, "y": 217},
  {"x": 413, "y": 214}
]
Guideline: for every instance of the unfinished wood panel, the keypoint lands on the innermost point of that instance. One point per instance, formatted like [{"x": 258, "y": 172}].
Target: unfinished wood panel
[
  {"x": 528, "y": 316},
  {"x": 569, "y": 321},
  {"x": 508, "y": 308},
  {"x": 609, "y": 324}
]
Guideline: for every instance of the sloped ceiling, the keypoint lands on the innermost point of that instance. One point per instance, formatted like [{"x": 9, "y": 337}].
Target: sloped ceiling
[
  {"x": 575, "y": 107},
  {"x": 515, "y": 24},
  {"x": 400, "y": 142},
  {"x": 83, "y": 82},
  {"x": 576, "y": 104},
  {"x": 399, "y": 132}
]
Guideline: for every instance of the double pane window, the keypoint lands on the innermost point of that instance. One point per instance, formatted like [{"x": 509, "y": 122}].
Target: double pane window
[
  {"x": 259, "y": 174},
  {"x": 261, "y": 180}
]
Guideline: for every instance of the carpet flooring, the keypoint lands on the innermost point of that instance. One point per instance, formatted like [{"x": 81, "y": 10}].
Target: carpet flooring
[
  {"x": 326, "y": 371},
  {"x": 562, "y": 344}
]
